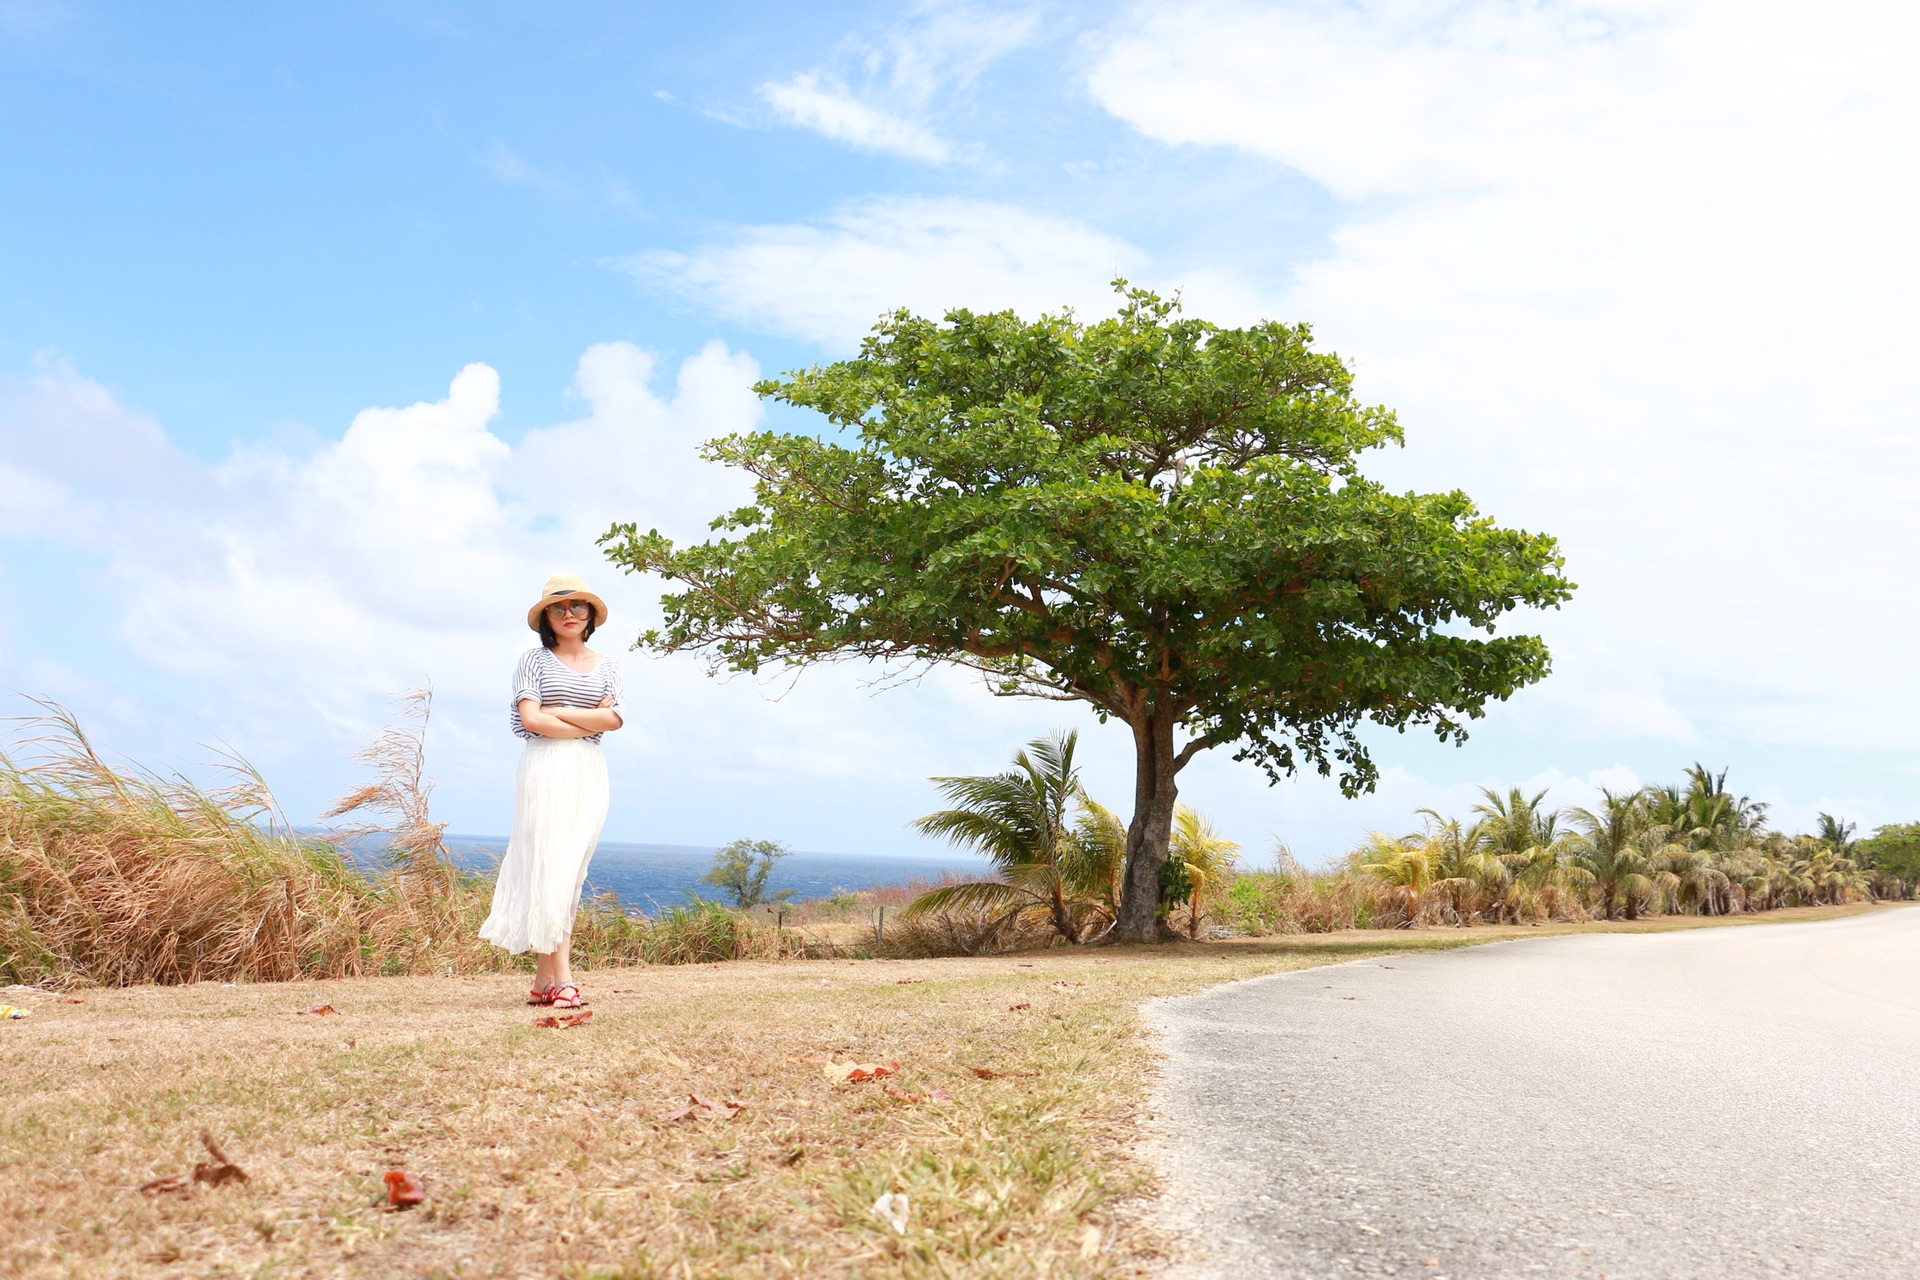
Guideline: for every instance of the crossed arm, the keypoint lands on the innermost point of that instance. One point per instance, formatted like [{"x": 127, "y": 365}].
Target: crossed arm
[{"x": 569, "y": 722}]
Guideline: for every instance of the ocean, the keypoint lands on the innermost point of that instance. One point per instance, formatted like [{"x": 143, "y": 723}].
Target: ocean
[{"x": 651, "y": 877}]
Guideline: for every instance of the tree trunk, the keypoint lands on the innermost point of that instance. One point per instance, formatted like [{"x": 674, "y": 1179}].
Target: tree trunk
[{"x": 1151, "y": 830}]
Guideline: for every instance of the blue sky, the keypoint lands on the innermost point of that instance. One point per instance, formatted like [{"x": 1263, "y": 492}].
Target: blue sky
[{"x": 1636, "y": 273}]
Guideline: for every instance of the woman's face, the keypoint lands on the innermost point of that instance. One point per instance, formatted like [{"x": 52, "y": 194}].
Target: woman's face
[{"x": 569, "y": 618}]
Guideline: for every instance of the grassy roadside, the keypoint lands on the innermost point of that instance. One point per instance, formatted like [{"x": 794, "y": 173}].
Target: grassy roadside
[{"x": 543, "y": 1152}]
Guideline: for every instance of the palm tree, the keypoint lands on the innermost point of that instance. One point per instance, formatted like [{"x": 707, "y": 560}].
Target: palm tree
[
  {"x": 1405, "y": 862},
  {"x": 1207, "y": 856},
  {"x": 1537, "y": 855},
  {"x": 1715, "y": 817},
  {"x": 1614, "y": 850},
  {"x": 1095, "y": 856},
  {"x": 1693, "y": 880},
  {"x": 1836, "y": 835},
  {"x": 1021, "y": 820}
]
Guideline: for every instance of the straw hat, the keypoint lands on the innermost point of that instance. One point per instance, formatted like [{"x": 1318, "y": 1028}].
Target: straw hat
[{"x": 566, "y": 586}]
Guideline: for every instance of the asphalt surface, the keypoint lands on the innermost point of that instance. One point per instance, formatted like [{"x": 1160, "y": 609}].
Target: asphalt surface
[{"x": 1738, "y": 1101}]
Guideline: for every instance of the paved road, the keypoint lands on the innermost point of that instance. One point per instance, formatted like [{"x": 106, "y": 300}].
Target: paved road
[{"x": 1719, "y": 1102}]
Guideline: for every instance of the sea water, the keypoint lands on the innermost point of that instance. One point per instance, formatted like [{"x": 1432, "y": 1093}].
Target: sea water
[{"x": 652, "y": 877}]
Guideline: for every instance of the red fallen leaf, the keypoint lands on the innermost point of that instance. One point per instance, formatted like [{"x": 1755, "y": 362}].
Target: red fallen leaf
[
  {"x": 558, "y": 1020},
  {"x": 319, "y": 1009},
  {"x": 699, "y": 1108},
  {"x": 893, "y": 1091},
  {"x": 857, "y": 1072},
  {"x": 403, "y": 1189},
  {"x": 987, "y": 1073},
  {"x": 1024, "y": 1004}
]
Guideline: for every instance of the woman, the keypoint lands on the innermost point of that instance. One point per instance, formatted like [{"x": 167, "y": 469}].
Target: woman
[{"x": 565, "y": 696}]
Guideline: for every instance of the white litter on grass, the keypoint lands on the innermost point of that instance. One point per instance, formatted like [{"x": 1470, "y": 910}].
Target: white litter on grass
[
  {"x": 12, "y": 1011},
  {"x": 893, "y": 1209}
]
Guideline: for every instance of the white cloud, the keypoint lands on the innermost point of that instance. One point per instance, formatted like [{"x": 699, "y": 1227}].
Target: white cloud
[
  {"x": 933, "y": 51},
  {"x": 830, "y": 281},
  {"x": 508, "y": 165},
  {"x": 1637, "y": 273},
  {"x": 274, "y": 603},
  {"x": 304, "y": 590},
  {"x": 823, "y": 104}
]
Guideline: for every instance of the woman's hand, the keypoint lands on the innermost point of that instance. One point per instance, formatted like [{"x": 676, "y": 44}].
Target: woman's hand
[
  {"x": 544, "y": 722},
  {"x": 596, "y": 719}
]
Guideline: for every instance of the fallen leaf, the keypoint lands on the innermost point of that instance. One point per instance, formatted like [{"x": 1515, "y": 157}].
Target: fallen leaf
[
  {"x": 906, "y": 982},
  {"x": 987, "y": 1073},
  {"x": 1024, "y": 1004},
  {"x": 893, "y": 1091},
  {"x": 1064, "y": 983},
  {"x": 403, "y": 1189},
  {"x": 893, "y": 1209},
  {"x": 71, "y": 1000},
  {"x": 699, "y": 1108},
  {"x": 1349, "y": 997},
  {"x": 320, "y": 1010},
  {"x": 1089, "y": 1241},
  {"x": 12, "y": 1011},
  {"x": 558, "y": 1020},
  {"x": 857, "y": 1072}
]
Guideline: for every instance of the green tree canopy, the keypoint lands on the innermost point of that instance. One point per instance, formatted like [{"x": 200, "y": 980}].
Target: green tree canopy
[
  {"x": 1150, "y": 513},
  {"x": 742, "y": 869}
]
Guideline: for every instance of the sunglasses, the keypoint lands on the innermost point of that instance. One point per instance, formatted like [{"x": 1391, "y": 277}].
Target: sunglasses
[{"x": 578, "y": 608}]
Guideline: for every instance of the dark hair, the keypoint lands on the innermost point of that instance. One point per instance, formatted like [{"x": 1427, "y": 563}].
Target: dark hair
[{"x": 549, "y": 639}]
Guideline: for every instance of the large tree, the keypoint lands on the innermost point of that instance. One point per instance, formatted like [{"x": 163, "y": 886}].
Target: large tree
[{"x": 1151, "y": 514}]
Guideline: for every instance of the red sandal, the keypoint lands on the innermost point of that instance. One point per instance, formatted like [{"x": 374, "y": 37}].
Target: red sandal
[
  {"x": 561, "y": 1000},
  {"x": 542, "y": 996}
]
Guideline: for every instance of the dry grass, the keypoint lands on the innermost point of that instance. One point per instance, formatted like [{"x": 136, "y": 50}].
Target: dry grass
[
  {"x": 542, "y": 1151},
  {"x": 114, "y": 876}
]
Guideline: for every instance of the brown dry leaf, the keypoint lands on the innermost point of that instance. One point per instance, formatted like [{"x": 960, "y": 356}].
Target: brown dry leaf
[
  {"x": 1024, "y": 1004},
  {"x": 320, "y": 1010},
  {"x": 906, "y": 982},
  {"x": 699, "y": 1108},
  {"x": 403, "y": 1189},
  {"x": 987, "y": 1073},
  {"x": 559, "y": 1020},
  {"x": 856, "y": 1072},
  {"x": 893, "y": 1091},
  {"x": 71, "y": 1000},
  {"x": 1069, "y": 984}
]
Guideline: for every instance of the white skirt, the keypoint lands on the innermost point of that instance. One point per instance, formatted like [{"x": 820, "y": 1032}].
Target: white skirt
[{"x": 559, "y": 806}]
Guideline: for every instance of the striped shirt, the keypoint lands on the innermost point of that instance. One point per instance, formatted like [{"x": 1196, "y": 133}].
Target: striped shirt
[{"x": 552, "y": 683}]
